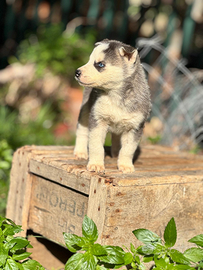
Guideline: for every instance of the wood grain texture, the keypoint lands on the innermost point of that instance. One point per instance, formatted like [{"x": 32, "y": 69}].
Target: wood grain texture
[
  {"x": 97, "y": 203},
  {"x": 20, "y": 188},
  {"x": 56, "y": 170},
  {"x": 50, "y": 186},
  {"x": 151, "y": 207},
  {"x": 55, "y": 209}
]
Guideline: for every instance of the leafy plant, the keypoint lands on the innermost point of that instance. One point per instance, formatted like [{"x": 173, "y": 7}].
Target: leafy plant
[
  {"x": 13, "y": 255},
  {"x": 38, "y": 130},
  {"x": 95, "y": 255},
  {"x": 5, "y": 165},
  {"x": 15, "y": 133},
  {"x": 5, "y": 159},
  {"x": 154, "y": 249},
  {"x": 55, "y": 50}
]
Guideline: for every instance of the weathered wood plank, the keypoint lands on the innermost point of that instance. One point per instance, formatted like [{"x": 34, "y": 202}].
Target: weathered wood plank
[
  {"x": 20, "y": 188},
  {"x": 55, "y": 209},
  {"x": 98, "y": 202},
  {"x": 57, "y": 172},
  {"x": 151, "y": 207}
]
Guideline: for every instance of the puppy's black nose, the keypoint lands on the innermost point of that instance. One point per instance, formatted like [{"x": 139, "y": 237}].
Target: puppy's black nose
[{"x": 77, "y": 73}]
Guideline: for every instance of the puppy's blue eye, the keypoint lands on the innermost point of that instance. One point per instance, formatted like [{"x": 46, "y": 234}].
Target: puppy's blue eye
[{"x": 100, "y": 64}]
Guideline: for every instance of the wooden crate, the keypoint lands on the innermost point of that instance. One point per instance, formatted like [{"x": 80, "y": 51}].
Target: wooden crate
[{"x": 51, "y": 191}]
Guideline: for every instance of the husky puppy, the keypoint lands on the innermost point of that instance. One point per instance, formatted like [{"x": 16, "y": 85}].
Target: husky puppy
[{"x": 117, "y": 100}]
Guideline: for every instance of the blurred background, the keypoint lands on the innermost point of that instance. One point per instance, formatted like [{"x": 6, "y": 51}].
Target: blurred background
[{"x": 42, "y": 43}]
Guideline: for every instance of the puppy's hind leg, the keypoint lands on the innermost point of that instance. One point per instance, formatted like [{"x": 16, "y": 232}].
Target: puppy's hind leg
[
  {"x": 129, "y": 143},
  {"x": 116, "y": 144}
]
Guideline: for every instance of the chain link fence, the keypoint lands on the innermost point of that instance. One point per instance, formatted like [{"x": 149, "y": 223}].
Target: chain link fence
[{"x": 177, "y": 96}]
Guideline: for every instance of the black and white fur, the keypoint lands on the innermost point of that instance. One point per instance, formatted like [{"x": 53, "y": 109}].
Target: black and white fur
[{"x": 117, "y": 100}]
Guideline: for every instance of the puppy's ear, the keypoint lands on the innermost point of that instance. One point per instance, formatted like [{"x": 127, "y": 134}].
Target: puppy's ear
[
  {"x": 98, "y": 43},
  {"x": 129, "y": 56},
  {"x": 101, "y": 42}
]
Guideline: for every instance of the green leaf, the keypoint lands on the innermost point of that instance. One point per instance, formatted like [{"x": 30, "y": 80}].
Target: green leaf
[
  {"x": 74, "y": 242},
  {"x": 132, "y": 248},
  {"x": 198, "y": 240},
  {"x": 19, "y": 266},
  {"x": 9, "y": 245},
  {"x": 80, "y": 261},
  {"x": 146, "y": 249},
  {"x": 89, "y": 261},
  {"x": 21, "y": 256},
  {"x": 115, "y": 255},
  {"x": 19, "y": 243},
  {"x": 137, "y": 259},
  {"x": 9, "y": 238},
  {"x": 170, "y": 233},
  {"x": 89, "y": 229},
  {"x": 2, "y": 219},
  {"x": 12, "y": 223},
  {"x": 32, "y": 265},
  {"x": 5, "y": 165},
  {"x": 11, "y": 265},
  {"x": 128, "y": 258},
  {"x": 74, "y": 263},
  {"x": 98, "y": 250},
  {"x": 11, "y": 229},
  {"x": 163, "y": 263},
  {"x": 101, "y": 268},
  {"x": 194, "y": 254},
  {"x": 146, "y": 236},
  {"x": 178, "y": 257},
  {"x": 149, "y": 249},
  {"x": 182, "y": 267},
  {"x": 147, "y": 259},
  {"x": 29, "y": 246},
  {"x": 3, "y": 254}
]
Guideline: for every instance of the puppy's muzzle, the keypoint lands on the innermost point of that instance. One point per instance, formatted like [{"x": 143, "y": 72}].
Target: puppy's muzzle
[{"x": 78, "y": 73}]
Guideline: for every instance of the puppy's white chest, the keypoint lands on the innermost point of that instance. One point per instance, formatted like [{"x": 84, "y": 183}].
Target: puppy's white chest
[{"x": 116, "y": 116}]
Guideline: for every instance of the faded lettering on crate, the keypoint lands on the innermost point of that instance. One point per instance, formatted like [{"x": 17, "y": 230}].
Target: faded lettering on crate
[{"x": 55, "y": 209}]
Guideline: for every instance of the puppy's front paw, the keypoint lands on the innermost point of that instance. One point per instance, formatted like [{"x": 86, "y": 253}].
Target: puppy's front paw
[
  {"x": 126, "y": 168},
  {"x": 81, "y": 154},
  {"x": 96, "y": 168}
]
